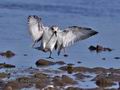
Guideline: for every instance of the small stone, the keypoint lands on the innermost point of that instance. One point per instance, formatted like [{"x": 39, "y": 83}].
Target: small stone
[
  {"x": 116, "y": 57},
  {"x": 79, "y": 62},
  {"x": 103, "y": 58},
  {"x": 92, "y": 48}
]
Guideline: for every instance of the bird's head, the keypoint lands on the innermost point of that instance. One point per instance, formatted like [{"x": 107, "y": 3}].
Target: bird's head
[
  {"x": 33, "y": 19},
  {"x": 54, "y": 29}
]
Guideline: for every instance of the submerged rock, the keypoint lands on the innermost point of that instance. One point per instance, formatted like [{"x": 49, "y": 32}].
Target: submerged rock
[
  {"x": 7, "y": 54},
  {"x": 43, "y": 62}
]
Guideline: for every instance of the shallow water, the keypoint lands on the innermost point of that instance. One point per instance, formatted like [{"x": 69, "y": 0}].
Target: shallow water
[{"x": 102, "y": 16}]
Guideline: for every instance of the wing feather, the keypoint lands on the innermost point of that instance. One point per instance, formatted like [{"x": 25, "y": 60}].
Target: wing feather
[
  {"x": 35, "y": 27},
  {"x": 72, "y": 35}
]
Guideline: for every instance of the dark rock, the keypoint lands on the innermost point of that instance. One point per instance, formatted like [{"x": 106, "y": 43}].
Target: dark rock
[
  {"x": 79, "y": 62},
  {"x": 65, "y": 55},
  {"x": 7, "y": 54},
  {"x": 103, "y": 58},
  {"x": 116, "y": 57},
  {"x": 92, "y": 48},
  {"x": 4, "y": 65},
  {"x": 43, "y": 62}
]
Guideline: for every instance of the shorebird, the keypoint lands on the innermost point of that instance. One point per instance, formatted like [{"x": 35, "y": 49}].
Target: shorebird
[{"x": 53, "y": 37}]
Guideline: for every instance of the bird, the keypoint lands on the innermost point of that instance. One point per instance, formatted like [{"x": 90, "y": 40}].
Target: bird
[
  {"x": 71, "y": 35},
  {"x": 55, "y": 38},
  {"x": 40, "y": 33}
]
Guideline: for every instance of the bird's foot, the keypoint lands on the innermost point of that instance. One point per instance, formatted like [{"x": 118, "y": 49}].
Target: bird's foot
[
  {"x": 50, "y": 57},
  {"x": 65, "y": 55}
]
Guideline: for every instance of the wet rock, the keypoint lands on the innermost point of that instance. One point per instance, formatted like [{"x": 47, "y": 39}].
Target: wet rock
[
  {"x": 41, "y": 80},
  {"x": 2, "y": 83},
  {"x": 57, "y": 81},
  {"x": 68, "y": 80},
  {"x": 41, "y": 83},
  {"x": 24, "y": 80},
  {"x": 4, "y": 75},
  {"x": 99, "y": 70},
  {"x": 40, "y": 75},
  {"x": 74, "y": 88},
  {"x": 63, "y": 80},
  {"x": 12, "y": 85},
  {"x": 8, "y": 88},
  {"x": 99, "y": 48},
  {"x": 60, "y": 62},
  {"x": 7, "y": 54},
  {"x": 69, "y": 68},
  {"x": 4, "y": 65},
  {"x": 43, "y": 62},
  {"x": 104, "y": 82},
  {"x": 80, "y": 76},
  {"x": 82, "y": 69}
]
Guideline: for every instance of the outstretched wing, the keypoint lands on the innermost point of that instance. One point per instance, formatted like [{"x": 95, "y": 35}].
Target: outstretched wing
[
  {"x": 73, "y": 34},
  {"x": 35, "y": 27}
]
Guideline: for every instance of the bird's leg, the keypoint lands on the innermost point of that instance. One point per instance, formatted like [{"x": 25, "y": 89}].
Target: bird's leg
[
  {"x": 65, "y": 55},
  {"x": 33, "y": 44},
  {"x": 50, "y": 56}
]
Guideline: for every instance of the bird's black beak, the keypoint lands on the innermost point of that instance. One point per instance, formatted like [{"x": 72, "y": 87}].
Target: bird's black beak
[{"x": 55, "y": 33}]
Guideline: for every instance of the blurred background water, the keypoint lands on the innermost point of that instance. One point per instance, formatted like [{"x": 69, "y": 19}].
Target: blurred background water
[{"x": 101, "y": 15}]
